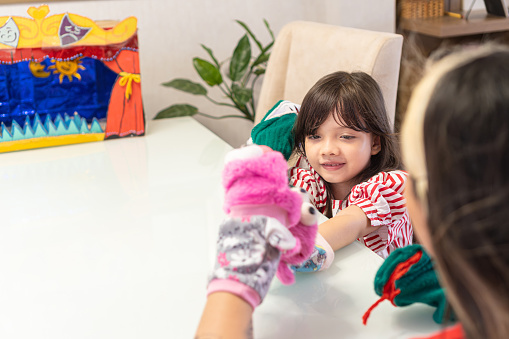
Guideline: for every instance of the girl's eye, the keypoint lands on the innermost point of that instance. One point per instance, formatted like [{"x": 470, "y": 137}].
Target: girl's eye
[
  {"x": 313, "y": 137},
  {"x": 347, "y": 137}
]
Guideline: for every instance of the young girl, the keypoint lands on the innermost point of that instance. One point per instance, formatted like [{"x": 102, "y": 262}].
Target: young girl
[{"x": 348, "y": 162}]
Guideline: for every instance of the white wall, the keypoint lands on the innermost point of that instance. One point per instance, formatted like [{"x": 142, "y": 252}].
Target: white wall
[
  {"x": 477, "y": 5},
  {"x": 171, "y": 31}
]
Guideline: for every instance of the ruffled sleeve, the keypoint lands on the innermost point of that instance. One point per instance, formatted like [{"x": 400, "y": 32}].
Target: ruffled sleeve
[{"x": 381, "y": 198}]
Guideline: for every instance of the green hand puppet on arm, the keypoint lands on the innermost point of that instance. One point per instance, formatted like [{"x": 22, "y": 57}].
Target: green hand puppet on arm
[
  {"x": 407, "y": 276},
  {"x": 275, "y": 129}
]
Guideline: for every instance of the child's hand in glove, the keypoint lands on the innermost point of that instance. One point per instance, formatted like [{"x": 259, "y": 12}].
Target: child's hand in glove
[
  {"x": 265, "y": 229},
  {"x": 407, "y": 276}
]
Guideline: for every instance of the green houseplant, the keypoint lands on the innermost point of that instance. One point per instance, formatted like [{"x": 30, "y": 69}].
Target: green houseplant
[{"x": 243, "y": 72}]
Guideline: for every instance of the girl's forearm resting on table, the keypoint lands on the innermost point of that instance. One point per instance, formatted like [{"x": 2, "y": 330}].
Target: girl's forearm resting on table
[
  {"x": 347, "y": 226},
  {"x": 225, "y": 316}
]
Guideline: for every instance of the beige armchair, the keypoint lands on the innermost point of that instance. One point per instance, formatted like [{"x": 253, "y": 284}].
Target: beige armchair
[{"x": 306, "y": 51}]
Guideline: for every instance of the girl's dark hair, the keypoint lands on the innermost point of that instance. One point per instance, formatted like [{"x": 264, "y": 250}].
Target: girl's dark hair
[
  {"x": 356, "y": 99},
  {"x": 466, "y": 139}
]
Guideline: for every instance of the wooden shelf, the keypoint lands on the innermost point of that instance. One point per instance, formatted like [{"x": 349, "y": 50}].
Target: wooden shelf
[{"x": 479, "y": 22}]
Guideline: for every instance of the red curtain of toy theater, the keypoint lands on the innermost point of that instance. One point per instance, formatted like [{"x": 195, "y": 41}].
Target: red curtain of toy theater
[{"x": 125, "y": 110}]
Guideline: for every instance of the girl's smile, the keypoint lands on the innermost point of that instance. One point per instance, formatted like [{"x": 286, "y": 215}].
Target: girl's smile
[{"x": 332, "y": 166}]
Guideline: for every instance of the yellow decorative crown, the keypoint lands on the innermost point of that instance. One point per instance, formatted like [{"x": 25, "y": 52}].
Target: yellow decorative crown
[{"x": 60, "y": 30}]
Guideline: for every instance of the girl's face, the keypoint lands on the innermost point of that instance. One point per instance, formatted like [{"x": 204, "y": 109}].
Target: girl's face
[{"x": 339, "y": 154}]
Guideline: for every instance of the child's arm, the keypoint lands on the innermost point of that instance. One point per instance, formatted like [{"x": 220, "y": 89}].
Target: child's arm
[
  {"x": 225, "y": 316},
  {"x": 335, "y": 233},
  {"x": 347, "y": 226},
  {"x": 376, "y": 203}
]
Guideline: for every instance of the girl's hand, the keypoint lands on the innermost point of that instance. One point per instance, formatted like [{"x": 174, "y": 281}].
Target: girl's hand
[{"x": 320, "y": 259}]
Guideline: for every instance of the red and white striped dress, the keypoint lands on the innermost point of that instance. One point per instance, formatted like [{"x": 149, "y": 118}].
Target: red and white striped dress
[{"x": 380, "y": 197}]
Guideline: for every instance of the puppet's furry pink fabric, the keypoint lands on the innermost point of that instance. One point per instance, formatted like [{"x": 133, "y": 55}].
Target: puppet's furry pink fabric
[{"x": 256, "y": 176}]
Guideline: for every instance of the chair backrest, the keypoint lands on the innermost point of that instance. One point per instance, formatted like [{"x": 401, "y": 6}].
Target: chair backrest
[{"x": 306, "y": 51}]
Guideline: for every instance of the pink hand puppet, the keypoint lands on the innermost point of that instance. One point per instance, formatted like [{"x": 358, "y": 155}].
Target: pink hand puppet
[{"x": 256, "y": 184}]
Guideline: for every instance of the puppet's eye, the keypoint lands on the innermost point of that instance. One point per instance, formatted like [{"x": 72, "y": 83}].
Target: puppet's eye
[
  {"x": 308, "y": 214},
  {"x": 303, "y": 193}
]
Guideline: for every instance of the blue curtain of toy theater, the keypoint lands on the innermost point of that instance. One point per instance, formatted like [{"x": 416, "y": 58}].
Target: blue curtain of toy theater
[{"x": 22, "y": 94}]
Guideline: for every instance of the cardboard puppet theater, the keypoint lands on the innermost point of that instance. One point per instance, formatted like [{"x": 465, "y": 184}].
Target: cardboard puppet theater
[{"x": 64, "y": 79}]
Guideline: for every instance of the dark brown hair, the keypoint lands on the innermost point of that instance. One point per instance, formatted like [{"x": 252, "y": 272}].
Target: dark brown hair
[
  {"x": 356, "y": 99},
  {"x": 466, "y": 139}
]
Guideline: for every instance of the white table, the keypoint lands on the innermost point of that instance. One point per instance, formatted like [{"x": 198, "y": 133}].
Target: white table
[
  {"x": 330, "y": 304},
  {"x": 114, "y": 239}
]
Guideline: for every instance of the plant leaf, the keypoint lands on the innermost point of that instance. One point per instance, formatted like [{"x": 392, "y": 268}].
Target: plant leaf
[
  {"x": 241, "y": 94},
  {"x": 208, "y": 72},
  {"x": 187, "y": 86},
  {"x": 261, "y": 59},
  {"x": 259, "y": 71},
  {"x": 258, "y": 43},
  {"x": 180, "y": 110},
  {"x": 240, "y": 59},
  {"x": 269, "y": 46},
  {"x": 211, "y": 54},
  {"x": 268, "y": 28}
]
